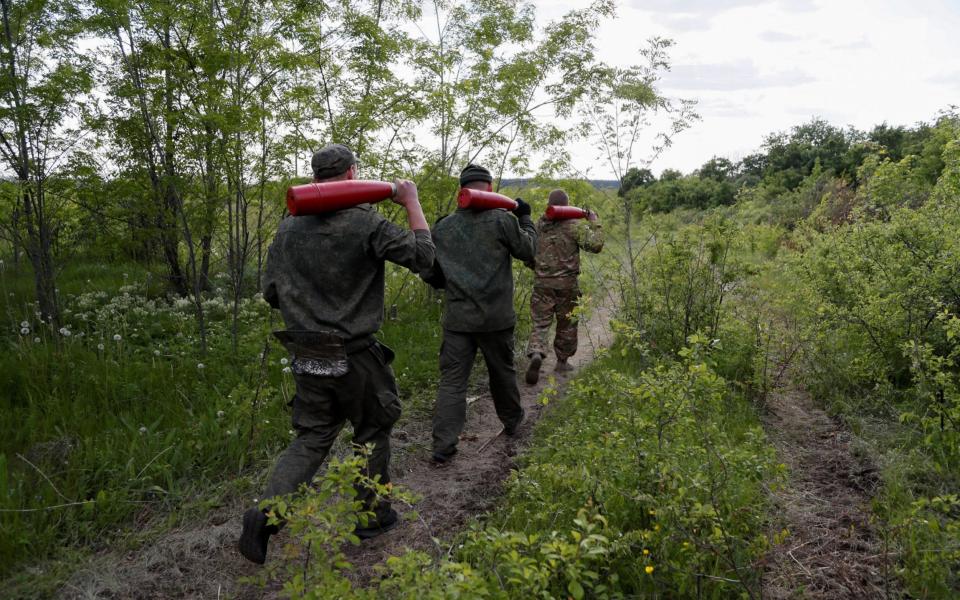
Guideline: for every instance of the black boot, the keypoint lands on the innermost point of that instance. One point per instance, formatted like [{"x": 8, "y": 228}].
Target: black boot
[
  {"x": 256, "y": 534},
  {"x": 382, "y": 524},
  {"x": 533, "y": 371}
]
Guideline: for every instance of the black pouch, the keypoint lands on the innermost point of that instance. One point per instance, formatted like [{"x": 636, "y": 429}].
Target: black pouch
[{"x": 317, "y": 353}]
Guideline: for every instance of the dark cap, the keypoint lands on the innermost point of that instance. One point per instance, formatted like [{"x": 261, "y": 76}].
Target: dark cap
[
  {"x": 472, "y": 173},
  {"x": 558, "y": 198},
  {"x": 332, "y": 160}
]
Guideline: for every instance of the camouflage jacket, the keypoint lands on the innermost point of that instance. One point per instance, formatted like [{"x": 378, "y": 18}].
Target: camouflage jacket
[
  {"x": 557, "y": 264},
  {"x": 474, "y": 250},
  {"x": 325, "y": 272}
]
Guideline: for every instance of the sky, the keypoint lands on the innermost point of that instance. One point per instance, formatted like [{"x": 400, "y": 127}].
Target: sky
[{"x": 757, "y": 67}]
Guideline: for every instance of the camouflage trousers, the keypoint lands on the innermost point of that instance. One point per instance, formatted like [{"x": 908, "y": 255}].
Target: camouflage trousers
[
  {"x": 367, "y": 397},
  {"x": 457, "y": 354},
  {"x": 545, "y": 305}
]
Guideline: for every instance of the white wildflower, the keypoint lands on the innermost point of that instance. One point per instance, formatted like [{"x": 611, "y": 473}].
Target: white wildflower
[
  {"x": 220, "y": 414},
  {"x": 117, "y": 337},
  {"x": 200, "y": 366},
  {"x": 286, "y": 369},
  {"x": 284, "y": 361},
  {"x": 143, "y": 430},
  {"x": 156, "y": 353},
  {"x": 100, "y": 346},
  {"x": 36, "y": 340},
  {"x": 229, "y": 432},
  {"x": 64, "y": 332}
]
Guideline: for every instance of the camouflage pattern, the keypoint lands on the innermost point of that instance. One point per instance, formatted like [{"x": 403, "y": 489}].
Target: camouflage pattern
[
  {"x": 545, "y": 304},
  {"x": 474, "y": 249},
  {"x": 557, "y": 263},
  {"x": 367, "y": 397},
  {"x": 325, "y": 272},
  {"x": 326, "y": 275},
  {"x": 456, "y": 361},
  {"x": 556, "y": 289}
]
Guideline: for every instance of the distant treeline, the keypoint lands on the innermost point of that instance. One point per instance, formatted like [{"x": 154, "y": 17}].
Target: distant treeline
[
  {"x": 787, "y": 159},
  {"x": 523, "y": 182}
]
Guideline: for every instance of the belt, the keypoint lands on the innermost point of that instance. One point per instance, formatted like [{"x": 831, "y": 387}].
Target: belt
[{"x": 359, "y": 344}]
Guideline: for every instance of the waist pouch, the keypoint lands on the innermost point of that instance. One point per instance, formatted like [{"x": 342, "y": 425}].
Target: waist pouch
[{"x": 320, "y": 353}]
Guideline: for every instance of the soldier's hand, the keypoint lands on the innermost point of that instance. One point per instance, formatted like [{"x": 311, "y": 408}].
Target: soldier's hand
[
  {"x": 592, "y": 216},
  {"x": 406, "y": 193},
  {"x": 522, "y": 209}
]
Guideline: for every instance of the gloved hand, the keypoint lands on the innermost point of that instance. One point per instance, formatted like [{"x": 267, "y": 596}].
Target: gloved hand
[{"x": 522, "y": 209}]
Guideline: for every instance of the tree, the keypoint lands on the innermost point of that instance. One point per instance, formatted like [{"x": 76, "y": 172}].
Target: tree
[
  {"x": 44, "y": 89},
  {"x": 484, "y": 71},
  {"x": 620, "y": 108}
]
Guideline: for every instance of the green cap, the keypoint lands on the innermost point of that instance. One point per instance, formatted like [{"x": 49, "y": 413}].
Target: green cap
[{"x": 332, "y": 160}]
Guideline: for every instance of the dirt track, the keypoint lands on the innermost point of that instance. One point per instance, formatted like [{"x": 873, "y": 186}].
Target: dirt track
[
  {"x": 832, "y": 550},
  {"x": 202, "y": 562}
]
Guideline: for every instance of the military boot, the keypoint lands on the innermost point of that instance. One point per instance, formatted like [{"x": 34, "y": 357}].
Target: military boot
[
  {"x": 375, "y": 527},
  {"x": 256, "y": 534},
  {"x": 533, "y": 371}
]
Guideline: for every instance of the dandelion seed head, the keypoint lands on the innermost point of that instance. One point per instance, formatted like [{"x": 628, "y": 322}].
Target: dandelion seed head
[
  {"x": 100, "y": 346},
  {"x": 36, "y": 340},
  {"x": 220, "y": 414},
  {"x": 156, "y": 353},
  {"x": 143, "y": 430},
  {"x": 24, "y": 324},
  {"x": 201, "y": 366},
  {"x": 117, "y": 337},
  {"x": 286, "y": 369},
  {"x": 284, "y": 361},
  {"x": 25, "y": 331}
]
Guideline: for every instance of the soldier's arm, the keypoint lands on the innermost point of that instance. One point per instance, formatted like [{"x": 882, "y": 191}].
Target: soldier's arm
[
  {"x": 269, "y": 279},
  {"x": 590, "y": 236},
  {"x": 411, "y": 249},
  {"x": 520, "y": 236}
]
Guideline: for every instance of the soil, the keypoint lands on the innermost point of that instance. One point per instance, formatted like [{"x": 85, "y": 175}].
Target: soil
[
  {"x": 202, "y": 561},
  {"x": 832, "y": 551}
]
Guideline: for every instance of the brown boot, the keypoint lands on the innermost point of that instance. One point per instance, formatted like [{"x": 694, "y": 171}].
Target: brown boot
[
  {"x": 533, "y": 371},
  {"x": 563, "y": 366}
]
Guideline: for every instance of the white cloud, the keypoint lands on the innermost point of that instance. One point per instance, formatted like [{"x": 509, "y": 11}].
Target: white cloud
[
  {"x": 740, "y": 74},
  {"x": 776, "y": 37},
  {"x": 762, "y": 66}
]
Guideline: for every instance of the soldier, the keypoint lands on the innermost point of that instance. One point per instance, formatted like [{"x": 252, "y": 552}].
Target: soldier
[
  {"x": 474, "y": 250},
  {"x": 555, "y": 286},
  {"x": 326, "y": 275}
]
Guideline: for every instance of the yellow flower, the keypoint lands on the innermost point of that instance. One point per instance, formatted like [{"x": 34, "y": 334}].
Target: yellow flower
[
  {"x": 645, "y": 552},
  {"x": 649, "y": 569},
  {"x": 656, "y": 527}
]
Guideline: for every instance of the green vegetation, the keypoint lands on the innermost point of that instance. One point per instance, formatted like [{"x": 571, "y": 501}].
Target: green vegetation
[{"x": 146, "y": 149}]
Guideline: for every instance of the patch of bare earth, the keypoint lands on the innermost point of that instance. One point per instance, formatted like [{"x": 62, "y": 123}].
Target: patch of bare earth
[
  {"x": 831, "y": 550},
  {"x": 202, "y": 561}
]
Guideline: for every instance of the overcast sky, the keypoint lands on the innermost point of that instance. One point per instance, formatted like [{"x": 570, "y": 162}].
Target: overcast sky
[{"x": 757, "y": 67}]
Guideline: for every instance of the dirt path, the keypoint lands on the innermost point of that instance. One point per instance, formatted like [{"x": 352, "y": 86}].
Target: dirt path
[
  {"x": 832, "y": 551},
  {"x": 202, "y": 562}
]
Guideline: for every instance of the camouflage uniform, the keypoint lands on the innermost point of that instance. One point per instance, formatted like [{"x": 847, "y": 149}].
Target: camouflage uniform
[
  {"x": 474, "y": 250},
  {"x": 326, "y": 274},
  {"x": 555, "y": 287}
]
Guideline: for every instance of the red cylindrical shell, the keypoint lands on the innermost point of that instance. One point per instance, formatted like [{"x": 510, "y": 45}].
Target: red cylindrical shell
[
  {"x": 319, "y": 198},
  {"x": 562, "y": 213},
  {"x": 477, "y": 200}
]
